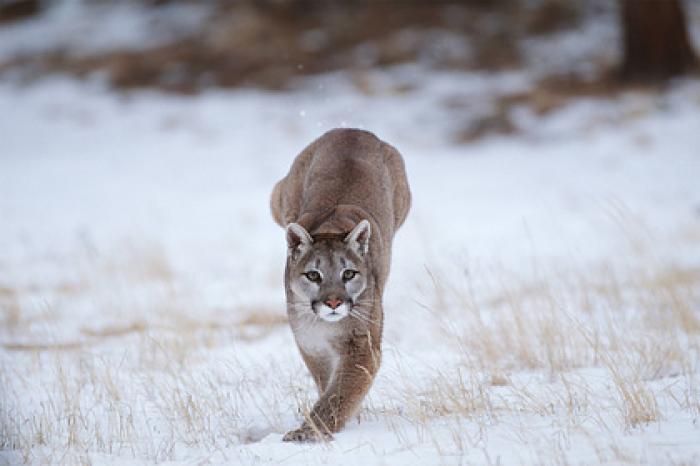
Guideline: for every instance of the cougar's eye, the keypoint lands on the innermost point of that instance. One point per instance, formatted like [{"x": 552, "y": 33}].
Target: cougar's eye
[
  {"x": 313, "y": 276},
  {"x": 349, "y": 274}
]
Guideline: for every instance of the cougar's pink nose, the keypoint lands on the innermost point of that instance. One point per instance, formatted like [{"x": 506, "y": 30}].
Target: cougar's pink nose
[{"x": 333, "y": 303}]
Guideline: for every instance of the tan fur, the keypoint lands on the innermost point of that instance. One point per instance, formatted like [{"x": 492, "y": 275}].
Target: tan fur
[{"x": 340, "y": 179}]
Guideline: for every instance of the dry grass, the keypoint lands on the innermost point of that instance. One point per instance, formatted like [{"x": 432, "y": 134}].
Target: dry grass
[
  {"x": 130, "y": 380},
  {"x": 566, "y": 355},
  {"x": 606, "y": 352}
]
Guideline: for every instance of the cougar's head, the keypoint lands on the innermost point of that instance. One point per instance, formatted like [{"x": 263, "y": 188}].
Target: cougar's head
[{"x": 328, "y": 273}]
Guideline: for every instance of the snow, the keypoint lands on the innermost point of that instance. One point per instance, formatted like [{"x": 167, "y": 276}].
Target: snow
[
  {"x": 84, "y": 27},
  {"x": 145, "y": 211},
  {"x": 542, "y": 306},
  {"x": 581, "y": 50}
]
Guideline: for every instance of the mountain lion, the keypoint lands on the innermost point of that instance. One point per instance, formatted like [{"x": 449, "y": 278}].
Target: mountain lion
[{"x": 343, "y": 199}]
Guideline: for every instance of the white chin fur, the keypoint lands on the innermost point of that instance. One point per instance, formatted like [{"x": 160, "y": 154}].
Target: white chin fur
[{"x": 333, "y": 315}]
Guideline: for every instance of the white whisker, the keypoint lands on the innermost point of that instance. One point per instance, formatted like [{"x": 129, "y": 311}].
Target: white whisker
[
  {"x": 361, "y": 317},
  {"x": 361, "y": 310},
  {"x": 364, "y": 303}
]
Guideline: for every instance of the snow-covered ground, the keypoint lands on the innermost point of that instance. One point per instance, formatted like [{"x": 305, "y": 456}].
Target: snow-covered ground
[{"x": 543, "y": 306}]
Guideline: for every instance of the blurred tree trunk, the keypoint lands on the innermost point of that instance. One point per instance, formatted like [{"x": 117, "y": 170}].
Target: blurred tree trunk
[
  {"x": 656, "y": 44},
  {"x": 11, "y": 10}
]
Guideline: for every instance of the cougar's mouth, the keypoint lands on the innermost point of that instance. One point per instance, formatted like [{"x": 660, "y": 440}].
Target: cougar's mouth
[{"x": 330, "y": 314}]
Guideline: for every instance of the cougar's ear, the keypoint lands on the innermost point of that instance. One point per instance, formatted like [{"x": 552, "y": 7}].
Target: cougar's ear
[
  {"x": 297, "y": 238},
  {"x": 358, "y": 238}
]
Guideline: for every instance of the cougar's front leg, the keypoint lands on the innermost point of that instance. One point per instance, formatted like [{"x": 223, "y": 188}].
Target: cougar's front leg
[
  {"x": 351, "y": 381},
  {"x": 321, "y": 369}
]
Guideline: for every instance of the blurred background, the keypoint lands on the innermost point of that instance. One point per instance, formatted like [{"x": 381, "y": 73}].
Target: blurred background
[{"x": 567, "y": 48}]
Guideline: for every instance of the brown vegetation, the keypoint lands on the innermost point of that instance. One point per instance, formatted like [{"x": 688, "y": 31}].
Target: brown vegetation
[{"x": 268, "y": 44}]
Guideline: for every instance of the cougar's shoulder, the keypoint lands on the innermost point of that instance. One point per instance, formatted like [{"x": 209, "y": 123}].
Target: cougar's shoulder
[{"x": 287, "y": 192}]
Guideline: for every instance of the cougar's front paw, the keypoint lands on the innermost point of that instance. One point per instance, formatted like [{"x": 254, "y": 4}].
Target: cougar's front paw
[{"x": 306, "y": 434}]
